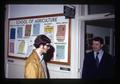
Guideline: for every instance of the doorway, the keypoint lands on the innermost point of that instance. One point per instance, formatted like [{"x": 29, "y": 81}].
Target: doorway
[{"x": 96, "y": 25}]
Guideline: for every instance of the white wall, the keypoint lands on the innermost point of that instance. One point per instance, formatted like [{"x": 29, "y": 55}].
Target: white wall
[
  {"x": 98, "y": 31},
  {"x": 16, "y": 68},
  {"x": 33, "y": 10}
]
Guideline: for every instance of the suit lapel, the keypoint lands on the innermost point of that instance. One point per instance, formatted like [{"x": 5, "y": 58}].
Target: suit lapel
[
  {"x": 102, "y": 59},
  {"x": 93, "y": 57}
]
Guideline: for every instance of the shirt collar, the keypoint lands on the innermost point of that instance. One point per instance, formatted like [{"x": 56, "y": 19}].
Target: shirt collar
[
  {"x": 40, "y": 56},
  {"x": 100, "y": 52}
]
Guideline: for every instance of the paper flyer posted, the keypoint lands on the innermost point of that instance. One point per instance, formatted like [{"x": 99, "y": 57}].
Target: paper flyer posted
[
  {"x": 27, "y": 30},
  {"x": 60, "y": 32},
  {"x": 30, "y": 46},
  {"x": 60, "y": 52},
  {"x": 21, "y": 47},
  {"x": 12, "y": 33},
  {"x": 19, "y": 32},
  {"x": 11, "y": 47},
  {"x": 49, "y": 31},
  {"x": 36, "y": 29}
]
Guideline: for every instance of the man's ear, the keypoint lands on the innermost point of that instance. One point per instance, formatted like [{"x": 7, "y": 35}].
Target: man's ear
[
  {"x": 102, "y": 45},
  {"x": 41, "y": 46}
]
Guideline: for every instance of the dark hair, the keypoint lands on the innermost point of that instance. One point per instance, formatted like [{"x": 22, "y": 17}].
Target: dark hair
[
  {"x": 41, "y": 39},
  {"x": 49, "y": 55},
  {"x": 98, "y": 39}
]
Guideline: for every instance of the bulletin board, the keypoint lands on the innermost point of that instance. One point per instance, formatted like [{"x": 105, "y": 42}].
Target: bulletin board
[{"x": 24, "y": 30}]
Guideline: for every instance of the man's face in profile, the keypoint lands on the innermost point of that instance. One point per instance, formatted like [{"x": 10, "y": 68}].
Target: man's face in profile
[{"x": 46, "y": 47}]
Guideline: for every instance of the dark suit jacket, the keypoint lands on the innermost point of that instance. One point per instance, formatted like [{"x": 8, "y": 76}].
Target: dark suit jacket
[{"x": 104, "y": 71}]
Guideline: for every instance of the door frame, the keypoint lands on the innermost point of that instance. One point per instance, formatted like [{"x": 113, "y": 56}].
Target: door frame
[{"x": 81, "y": 35}]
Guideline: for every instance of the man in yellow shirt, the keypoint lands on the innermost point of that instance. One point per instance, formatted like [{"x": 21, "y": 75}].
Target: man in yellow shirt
[{"x": 35, "y": 66}]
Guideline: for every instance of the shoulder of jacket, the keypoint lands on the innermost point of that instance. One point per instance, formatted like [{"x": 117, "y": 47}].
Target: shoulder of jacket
[
  {"x": 30, "y": 59},
  {"x": 90, "y": 53}
]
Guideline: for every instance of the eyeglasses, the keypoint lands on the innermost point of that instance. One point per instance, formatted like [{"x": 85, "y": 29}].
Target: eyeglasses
[{"x": 48, "y": 45}]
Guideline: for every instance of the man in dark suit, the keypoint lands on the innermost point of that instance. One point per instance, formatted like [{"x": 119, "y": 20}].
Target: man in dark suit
[{"x": 98, "y": 64}]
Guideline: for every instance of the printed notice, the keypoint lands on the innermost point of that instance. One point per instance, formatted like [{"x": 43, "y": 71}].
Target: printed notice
[
  {"x": 11, "y": 47},
  {"x": 19, "y": 32},
  {"x": 36, "y": 29},
  {"x": 21, "y": 47},
  {"x": 30, "y": 46},
  {"x": 27, "y": 30},
  {"x": 60, "y": 52},
  {"x": 60, "y": 32},
  {"x": 49, "y": 31},
  {"x": 12, "y": 33}
]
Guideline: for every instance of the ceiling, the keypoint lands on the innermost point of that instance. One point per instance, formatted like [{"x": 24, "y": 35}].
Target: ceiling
[{"x": 107, "y": 23}]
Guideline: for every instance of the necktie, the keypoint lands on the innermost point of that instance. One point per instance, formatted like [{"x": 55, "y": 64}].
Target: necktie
[{"x": 97, "y": 60}]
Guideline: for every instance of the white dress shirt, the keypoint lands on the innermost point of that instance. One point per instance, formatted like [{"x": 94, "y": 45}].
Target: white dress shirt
[{"x": 100, "y": 55}]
